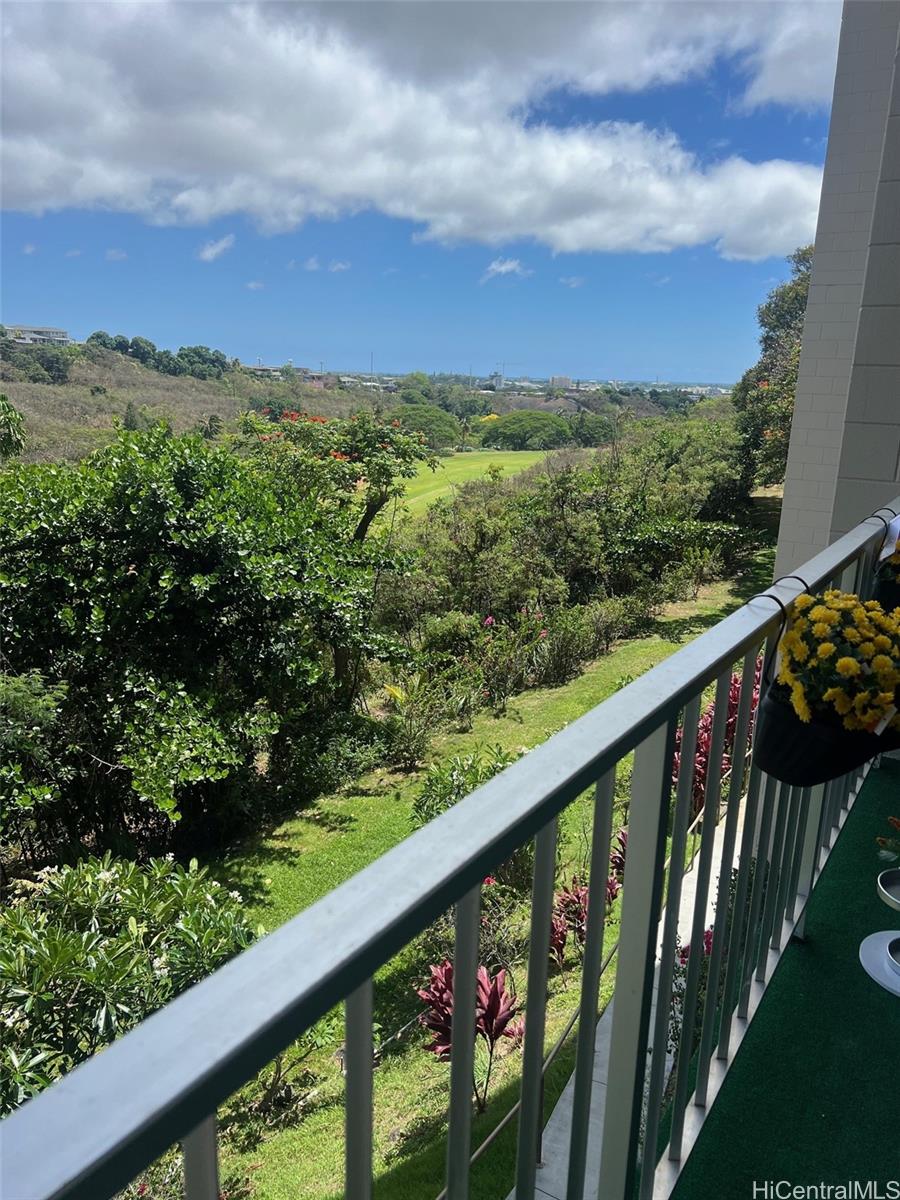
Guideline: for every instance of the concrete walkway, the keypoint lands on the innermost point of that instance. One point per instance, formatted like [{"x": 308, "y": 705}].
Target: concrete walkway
[{"x": 552, "y": 1172}]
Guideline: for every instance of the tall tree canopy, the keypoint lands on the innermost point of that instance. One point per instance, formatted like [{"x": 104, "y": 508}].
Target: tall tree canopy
[{"x": 764, "y": 397}]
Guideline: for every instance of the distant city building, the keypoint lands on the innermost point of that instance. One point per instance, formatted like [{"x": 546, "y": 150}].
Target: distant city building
[
  {"x": 560, "y": 381},
  {"x": 38, "y": 335},
  {"x": 261, "y": 371}
]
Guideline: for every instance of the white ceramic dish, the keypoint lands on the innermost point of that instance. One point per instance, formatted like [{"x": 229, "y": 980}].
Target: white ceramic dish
[
  {"x": 877, "y": 960},
  {"x": 889, "y": 887}
]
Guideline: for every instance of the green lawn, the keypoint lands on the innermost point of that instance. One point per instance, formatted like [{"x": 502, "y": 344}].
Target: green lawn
[
  {"x": 460, "y": 468},
  {"x": 284, "y": 870}
]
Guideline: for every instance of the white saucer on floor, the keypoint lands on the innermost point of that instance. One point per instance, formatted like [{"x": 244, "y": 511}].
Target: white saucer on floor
[{"x": 876, "y": 962}]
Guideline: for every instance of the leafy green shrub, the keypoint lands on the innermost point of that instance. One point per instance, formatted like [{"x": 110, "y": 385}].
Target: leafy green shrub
[
  {"x": 446, "y": 783},
  {"x": 414, "y": 709},
  {"x": 30, "y": 776},
  {"x": 453, "y": 633},
  {"x": 86, "y": 952},
  {"x": 562, "y": 647},
  {"x": 191, "y": 600},
  {"x": 506, "y": 656}
]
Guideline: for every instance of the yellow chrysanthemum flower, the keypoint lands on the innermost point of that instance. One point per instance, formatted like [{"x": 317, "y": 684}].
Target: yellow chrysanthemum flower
[
  {"x": 867, "y": 649},
  {"x": 801, "y": 651},
  {"x": 853, "y": 635},
  {"x": 839, "y": 698},
  {"x": 822, "y": 613},
  {"x": 821, "y": 630},
  {"x": 883, "y": 642},
  {"x": 861, "y": 702},
  {"x": 882, "y": 663},
  {"x": 826, "y": 649},
  {"x": 848, "y": 667},
  {"x": 803, "y": 601},
  {"x": 798, "y": 699}
]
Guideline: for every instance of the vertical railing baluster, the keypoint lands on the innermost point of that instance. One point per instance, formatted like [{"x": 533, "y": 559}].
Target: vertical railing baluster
[
  {"x": 776, "y": 856},
  {"x": 791, "y": 835},
  {"x": 201, "y": 1162},
  {"x": 358, "y": 1053},
  {"x": 536, "y": 1000},
  {"x": 811, "y": 855},
  {"x": 723, "y": 892},
  {"x": 681, "y": 819},
  {"x": 740, "y": 926},
  {"x": 651, "y": 786},
  {"x": 462, "y": 1034},
  {"x": 701, "y": 898},
  {"x": 761, "y": 883},
  {"x": 803, "y": 820},
  {"x": 590, "y": 984}
]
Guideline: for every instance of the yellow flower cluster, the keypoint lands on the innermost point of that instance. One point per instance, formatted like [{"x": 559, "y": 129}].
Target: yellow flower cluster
[{"x": 842, "y": 654}]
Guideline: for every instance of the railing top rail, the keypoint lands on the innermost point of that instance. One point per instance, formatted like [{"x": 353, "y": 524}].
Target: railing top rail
[{"x": 185, "y": 1060}]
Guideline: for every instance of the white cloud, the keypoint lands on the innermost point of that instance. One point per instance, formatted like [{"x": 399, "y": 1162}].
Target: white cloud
[
  {"x": 73, "y": 254},
  {"x": 311, "y": 264},
  {"x": 504, "y": 266},
  {"x": 210, "y": 251},
  {"x": 418, "y": 112},
  {"x": 337, "y": 265},
  {"x": 116, "y": 255},
  {"x": 29, "y": 248},
  {"x": 662, "y": 280},
  {"x": 255, "y": 285},
  {"x": 572, "y": 281}
]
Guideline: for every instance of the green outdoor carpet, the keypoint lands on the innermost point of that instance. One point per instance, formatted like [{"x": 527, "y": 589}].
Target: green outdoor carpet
[{"x": 813, "y": 1095}]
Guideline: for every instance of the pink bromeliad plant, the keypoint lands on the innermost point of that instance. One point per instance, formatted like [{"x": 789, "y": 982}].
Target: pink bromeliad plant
[{"x": 495, "y": 1008}]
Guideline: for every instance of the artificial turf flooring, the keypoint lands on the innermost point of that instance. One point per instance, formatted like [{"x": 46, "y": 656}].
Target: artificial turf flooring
[{"x": 812, "y": 1095}]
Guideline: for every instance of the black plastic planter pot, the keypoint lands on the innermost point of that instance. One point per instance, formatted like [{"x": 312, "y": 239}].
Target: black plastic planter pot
[
  {"x": 887, "y": 592},
  {"x": 805, "y": 753}
]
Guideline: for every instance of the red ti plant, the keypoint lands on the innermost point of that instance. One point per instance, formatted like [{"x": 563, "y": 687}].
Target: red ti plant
[
  {"x": 613, "y": 887},
  {"x": 558, "y": 934},
  {"x": 571, "y": 904},
  {"x": 617, "y": 857},
  {"x": 495, "y": 1008}
]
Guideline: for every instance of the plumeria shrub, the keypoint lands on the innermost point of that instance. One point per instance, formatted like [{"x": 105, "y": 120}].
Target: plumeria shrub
[
  {"x": 841, "y": 660},
  {"x": 88, "y": 951}
]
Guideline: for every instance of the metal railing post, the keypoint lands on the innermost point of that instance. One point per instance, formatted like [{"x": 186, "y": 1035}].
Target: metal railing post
[
  {"x": 811, "y": 853},
  {"x": 648, "y": 817},
  {"x": 201, "y": 1162}
]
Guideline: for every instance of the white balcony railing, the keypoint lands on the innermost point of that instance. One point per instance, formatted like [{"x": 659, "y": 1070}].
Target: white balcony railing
[{"x": 89, "y": 1134}]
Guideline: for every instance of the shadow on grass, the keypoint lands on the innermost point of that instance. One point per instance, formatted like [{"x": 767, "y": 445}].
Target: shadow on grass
[
  {"x": 417, "y": 1171},
  {"x": 248, "y": 865}
]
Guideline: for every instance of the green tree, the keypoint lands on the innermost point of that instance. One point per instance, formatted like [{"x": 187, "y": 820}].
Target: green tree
[
  {"x": 528, "y": 430},
  {"x": 190, "y": 601},
  {"x": 439, "y": 427},
  {"x": 143, "y": 350},
  {"x": 764, "y": 396},
  {"x": 415, "y": 388},
  {"x": 12, "y": 430},
  {"x": 102, "y": 339}
]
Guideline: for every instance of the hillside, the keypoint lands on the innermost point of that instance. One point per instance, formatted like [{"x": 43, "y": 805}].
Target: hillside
[{"x": 67, "y": 421}]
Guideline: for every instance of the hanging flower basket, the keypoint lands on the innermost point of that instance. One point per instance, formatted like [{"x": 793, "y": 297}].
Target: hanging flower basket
[
  {"x": 887, "y": 586},
  {"x": 804, "y": 753},
  {"x": 838, "y": 683}
]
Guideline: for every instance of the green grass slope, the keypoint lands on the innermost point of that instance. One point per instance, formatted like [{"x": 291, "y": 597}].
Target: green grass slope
[{"x": 457, "y": 469}]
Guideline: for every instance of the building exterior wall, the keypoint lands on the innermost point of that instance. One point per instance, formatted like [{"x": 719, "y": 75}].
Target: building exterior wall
[
  {"x": 869, "y": 468},
  {"x": 865, "y": 70}
]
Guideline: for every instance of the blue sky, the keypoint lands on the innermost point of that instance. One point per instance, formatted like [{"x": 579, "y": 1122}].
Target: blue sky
[{"x": 381, "y": 236}]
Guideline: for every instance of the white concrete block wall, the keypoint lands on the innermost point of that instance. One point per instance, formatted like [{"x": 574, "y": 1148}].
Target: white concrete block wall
[
  {"x": 869, "y": 469},
  {"x": 863, "y": 81}
]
